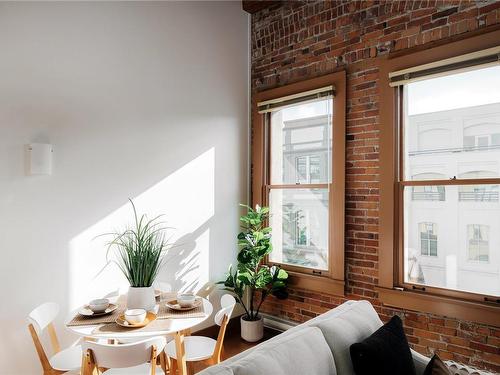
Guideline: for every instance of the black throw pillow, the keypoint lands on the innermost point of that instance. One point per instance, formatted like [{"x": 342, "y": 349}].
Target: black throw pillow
[
  {"x": 436, "y": 367},
  {"x": 385, "y": 352}
]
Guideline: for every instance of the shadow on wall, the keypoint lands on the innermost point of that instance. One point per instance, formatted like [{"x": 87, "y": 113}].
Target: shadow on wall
[{"x": 186, "y": 198}]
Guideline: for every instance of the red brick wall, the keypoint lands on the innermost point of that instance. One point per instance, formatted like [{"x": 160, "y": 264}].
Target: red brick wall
[{"x": 300, "y": 40}]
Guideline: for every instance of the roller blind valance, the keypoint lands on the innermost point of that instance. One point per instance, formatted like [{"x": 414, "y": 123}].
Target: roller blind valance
[
  {"x": 306, "y": 96},
  {"x": 470, "y": 61}
]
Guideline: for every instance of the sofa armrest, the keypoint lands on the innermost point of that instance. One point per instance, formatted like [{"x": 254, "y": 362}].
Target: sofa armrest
[{"x": 420, "y": 361}]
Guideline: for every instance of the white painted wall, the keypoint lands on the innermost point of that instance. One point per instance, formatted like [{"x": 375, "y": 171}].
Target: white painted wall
[{"x": 140, "y": 100}]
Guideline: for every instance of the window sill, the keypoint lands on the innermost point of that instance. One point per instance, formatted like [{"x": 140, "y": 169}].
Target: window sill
[
  {"x": 316, "y": 283},
  {"x": 453, "y": 308}
]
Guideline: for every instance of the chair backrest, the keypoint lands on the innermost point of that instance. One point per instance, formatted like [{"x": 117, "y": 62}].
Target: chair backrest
[
  {"x": 222, "y": 317},
  {"x": 227, "y": 303},
  {"x": 43, "y": 315},
  {"x": 39, "y": 319},
  {"x": 124, "y": 355}
]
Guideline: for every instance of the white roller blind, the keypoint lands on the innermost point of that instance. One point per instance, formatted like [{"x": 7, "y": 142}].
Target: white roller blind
[
  {"x": 470, "y": 61},
  {"x": 306, "y": 96}
]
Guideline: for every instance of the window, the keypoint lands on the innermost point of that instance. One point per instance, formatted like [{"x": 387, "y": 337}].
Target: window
[
  {"x": 428, "y": 239},
  {"x": 295, "y": 129},
  {"x": 298, "y": 171},
  {"x": 428, "y": 193},
  {"x": 308, "y": 168},
  {"x": 474, "y": 193},
  {"x": 454, "y": 90},
  {"x": 471, "y": 187},
  {"x": 478, "y": 243}
]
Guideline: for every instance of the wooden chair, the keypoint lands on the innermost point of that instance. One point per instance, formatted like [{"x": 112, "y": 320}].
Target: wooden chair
[
  {"x": 124, "y": 359},
  {"x": 201, "y": 348},
  {"x": 41, "y": 319}
]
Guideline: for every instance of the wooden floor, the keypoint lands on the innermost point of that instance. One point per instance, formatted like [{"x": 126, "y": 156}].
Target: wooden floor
[{"x": 234, "y": 344}]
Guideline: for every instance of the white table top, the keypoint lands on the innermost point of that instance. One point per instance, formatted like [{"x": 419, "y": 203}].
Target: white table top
[{"x": 165, "y": 326}]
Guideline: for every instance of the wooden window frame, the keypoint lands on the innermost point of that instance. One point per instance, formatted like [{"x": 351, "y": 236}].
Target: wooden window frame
[
  {"x": 332, "y": 281},
  {"x": 392, "y": 291}
]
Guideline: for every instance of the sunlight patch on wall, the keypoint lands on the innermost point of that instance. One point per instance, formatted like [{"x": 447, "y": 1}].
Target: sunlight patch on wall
[{"x": 186, "y": 199}]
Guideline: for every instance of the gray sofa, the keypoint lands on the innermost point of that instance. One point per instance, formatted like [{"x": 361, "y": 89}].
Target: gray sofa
[{"x": 317, "y": 347}]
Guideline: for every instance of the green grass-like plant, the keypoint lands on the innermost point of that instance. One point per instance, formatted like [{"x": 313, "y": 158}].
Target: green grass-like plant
[{"x": 140, "y": 249}]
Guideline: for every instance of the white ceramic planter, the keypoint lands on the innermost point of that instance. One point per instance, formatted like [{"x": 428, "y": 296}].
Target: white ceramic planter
[
  {"x": 141, "y": 298},
  {"x": 252, "y": 331}
]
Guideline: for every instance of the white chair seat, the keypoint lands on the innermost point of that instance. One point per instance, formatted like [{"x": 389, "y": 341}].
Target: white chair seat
[
  {"x": 144, "y": 369},
  {"x": 197, "y": 348},
  {"x": 67, "y": 359}
]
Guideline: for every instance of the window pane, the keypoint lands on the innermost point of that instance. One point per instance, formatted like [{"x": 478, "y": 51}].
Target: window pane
[
  {"x": 299, "y": 222},
  {"x": 452, "y": 126},
  {"x": 463, "y": 240},
  {"x": 301, "y": 143}
]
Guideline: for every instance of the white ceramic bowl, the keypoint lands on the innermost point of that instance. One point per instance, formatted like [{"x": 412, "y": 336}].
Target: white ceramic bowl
[
  {"x": 99, "y": 305},
  {"x": 186, "y": 299},
  {"x": 135, "y": 316}
]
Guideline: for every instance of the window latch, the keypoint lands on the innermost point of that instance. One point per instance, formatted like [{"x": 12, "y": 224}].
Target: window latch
[
  {"x": 453, "y": 178},
  {"x": 494, "y": 300},
  {"x": 316, "y": 272},
  {"x": 421, "y": 288}
]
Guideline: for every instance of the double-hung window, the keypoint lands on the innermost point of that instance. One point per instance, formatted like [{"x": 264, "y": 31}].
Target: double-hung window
[
  {"x": 298, "y": 171},
  {"x": 440, "y": 124}
]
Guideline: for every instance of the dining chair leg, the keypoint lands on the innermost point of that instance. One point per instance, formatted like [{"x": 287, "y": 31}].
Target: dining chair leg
[{"x": 180, "y": 353}]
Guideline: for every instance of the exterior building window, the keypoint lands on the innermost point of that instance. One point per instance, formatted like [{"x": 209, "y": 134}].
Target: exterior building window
[
  {"x": 478, "y": 245},
  {"x": 428, "y": 239},
  {"x": 298, "y": 170},
  {"x": 308, "y": 168},
  {"x": 428, "y": 193},
  {"x": 478, "y": 193}
]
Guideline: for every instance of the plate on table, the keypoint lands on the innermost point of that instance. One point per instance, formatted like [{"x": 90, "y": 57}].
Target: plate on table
[
  {"x": 150, "y": 316},
  {"x": 174, "y": 305},
  {"x": 85, "y": 310}
]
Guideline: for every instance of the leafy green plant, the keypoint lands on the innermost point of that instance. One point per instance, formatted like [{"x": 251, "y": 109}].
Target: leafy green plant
[
  {"x": 140, "y": 249},
  {"x": 250, "y": 274}
]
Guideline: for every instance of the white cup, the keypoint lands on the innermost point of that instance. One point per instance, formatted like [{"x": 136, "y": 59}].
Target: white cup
[
  {"x": 135, "y": 316},
  {"x": 99, "y": 305},
  {"x": 186, "y": 299}
]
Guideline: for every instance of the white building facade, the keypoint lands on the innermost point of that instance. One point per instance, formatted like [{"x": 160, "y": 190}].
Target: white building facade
[{"x": 453, "y": 232}]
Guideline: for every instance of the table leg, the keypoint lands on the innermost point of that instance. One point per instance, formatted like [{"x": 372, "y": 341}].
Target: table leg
[{"x": 180, "y": 353}]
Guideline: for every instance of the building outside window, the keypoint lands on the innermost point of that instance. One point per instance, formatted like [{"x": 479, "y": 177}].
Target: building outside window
[
  {"x": 428, "y": 239},
  {"x": 478, "y": 245}
]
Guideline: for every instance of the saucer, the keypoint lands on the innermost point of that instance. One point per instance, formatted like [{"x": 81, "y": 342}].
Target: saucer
[
  {"x": 122, "y": 322},
  {"x": 85, "y": 310},
  {"x": 174, "y": 305}
]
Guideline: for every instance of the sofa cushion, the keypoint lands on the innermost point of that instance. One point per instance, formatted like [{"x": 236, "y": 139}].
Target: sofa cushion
[
  {"x": 310, "y": 323},
  {"x": 215, "y": 370},
  {"x": 303, "y": 352},
  {"x": 386, "y": 351},
  {"x": 353, "y": 324}
]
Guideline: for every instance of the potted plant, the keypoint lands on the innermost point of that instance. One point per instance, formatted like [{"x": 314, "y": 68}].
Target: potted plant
[
  {"x": 251, "y": 275},
  {"x": 140, "y": 250}
]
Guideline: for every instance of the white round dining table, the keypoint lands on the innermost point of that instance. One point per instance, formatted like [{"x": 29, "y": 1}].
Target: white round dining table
[{"x": 178, "y": 327}]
